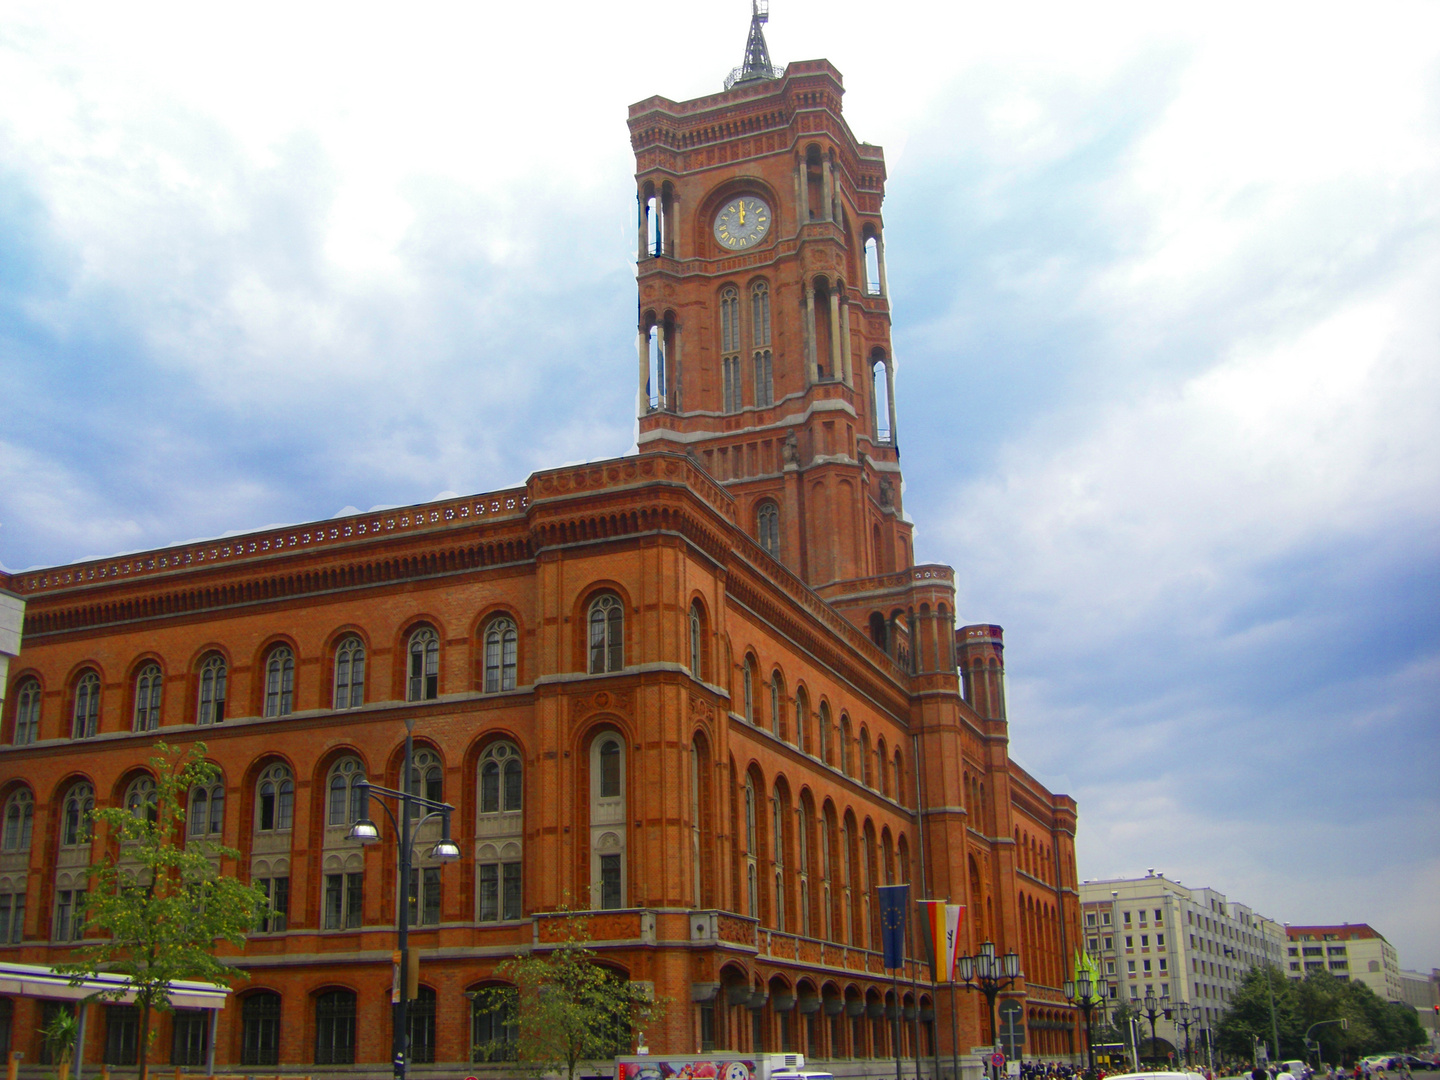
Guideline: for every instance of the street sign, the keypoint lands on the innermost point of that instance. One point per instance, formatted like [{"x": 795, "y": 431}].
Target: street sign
[{"x": 998, "y": 1060}]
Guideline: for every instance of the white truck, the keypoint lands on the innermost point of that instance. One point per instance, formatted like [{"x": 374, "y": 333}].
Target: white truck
[{"x": 719, "y": 1066}]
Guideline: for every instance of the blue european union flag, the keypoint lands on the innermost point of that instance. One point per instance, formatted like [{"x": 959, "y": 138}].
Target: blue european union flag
[{"x": 894, "y": 899}]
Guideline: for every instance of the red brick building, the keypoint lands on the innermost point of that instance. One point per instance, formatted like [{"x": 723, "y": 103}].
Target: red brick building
[{"x": 702, "y": 690}]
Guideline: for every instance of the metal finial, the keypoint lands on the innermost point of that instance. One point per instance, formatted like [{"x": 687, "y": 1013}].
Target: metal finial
[{"x": 757, "y": 54}]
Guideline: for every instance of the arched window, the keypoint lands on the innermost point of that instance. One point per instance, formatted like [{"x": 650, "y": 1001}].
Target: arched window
[
  {"x": 500, "y": 779},
  {"x": 777, "y": 710},
  {"x": 147, "y": 698},
  {"x": 346, "y": 804},
  {"x": 494, "y": 1031},
  {"x": 802, "y": 720},
  {"x": 607, "y": 634},
  {"x": 847, "y": 766},
  {"x": 607, "y": 822},
  {"x": 335, "y": 1028},
  {"x": 420, "y": 1021},
  {"x": 768, "y": 526},
  {"x": 778, "y": 811},
  {"x": 806, "y": 824},
  {"x": 212, "y": 690},
  {"x": 826, "y": 753},
  {"x": 424, "y": 680},
  {"x": 85, "y": 720},
  {"x": 426, "y": 778},
  {"x": 280, "y": 682},
  {"x": 501, "y": 652},
  {"x": 884, "y": 411},
  {"x": 27, "y": 713},
  {"x": 501, "y": 830},
  {"x": 610, "y": 769},
  {"x": 274, "y": 800},
  {"x": 760, "y": 330},
  {"x": 748, "y": 689},
  {"x": 75, "y": 822},
  {"x": 207, "y": 810},
  {"x": 752, "y": 851},
  {"x": 140, "y": 799},
  {"x": 730, "y": 348},
  {"x": 19, "y": 819},
  {"x": 260, "y": 1029},
  {"x": 882, "y": 767},
  {"x": 350, "y": 673},
  {"x": 899, "y": 777},
  {"x": 697, "y": 639},
  {"x": 865, "y": 777}
]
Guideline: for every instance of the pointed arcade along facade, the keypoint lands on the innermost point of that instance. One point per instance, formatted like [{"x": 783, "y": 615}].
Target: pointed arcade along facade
[{"x": 702, "y": 691}]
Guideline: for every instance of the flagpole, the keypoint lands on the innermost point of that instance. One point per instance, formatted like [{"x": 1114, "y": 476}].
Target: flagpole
[
  {"x": 954, "y": 1034},
  {"x": 895, "y": 982}
]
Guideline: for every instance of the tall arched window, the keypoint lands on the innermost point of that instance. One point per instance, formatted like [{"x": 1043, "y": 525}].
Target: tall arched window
[
  {"x": 212, "y": 690},
  {"x": 826, "y": 752},
  {"x": 752, "y": 851},
  {"x": 806, "y": 825},
  {"x": 501, "y": 654},
  {"x": 697, "y": 636},
  {"x": 865, "y": 777},
  {"x": 778, "y": 810},
  {"x": 847, "y": 765},
  {"x": 280, "y": 682},
  {"x": 207, "y": 810},
  {"x": 760, "y": 329},
  {"x": 140, "y": 799},
  {"x": 768, "y": 527},
  {"x": 802, "y": 719},
  {"x": 494, "y": 1030},
  {"x": 424, "y": 668},
  {"x": 274, "y": 800},
  {"x": 777, "y": 710},
  {"x": 899, "y": 777},
  {"x": 427, "y": 779},
  {"x": 350, "y": 673},
  {"x": 500, "y": 779},
  {"x": 27, "y": 713},
  {"x": 730, "y": 348},
  {"x": 260, "y": 1029},
  {"x": 420, "y": 1021},
  {"x": 147, "y": 698},
  {"x": 75, "y": 820},
  {"x": 19, "y": 820},
  {"x": 335, "y": 1028},
  {"x": 345, "y": 804},
  {"x": 607, "y": 634},
  {"x": 747, "y": 687},
  {"x": 85, "y": 720},
  {"x": 607, "y": 822},
  {"x": 500, "y": 832}
]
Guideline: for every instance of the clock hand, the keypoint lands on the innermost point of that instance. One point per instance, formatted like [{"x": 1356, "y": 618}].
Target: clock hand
[{"x": 741, "y": 205}]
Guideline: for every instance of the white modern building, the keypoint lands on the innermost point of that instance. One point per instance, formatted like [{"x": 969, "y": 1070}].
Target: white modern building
[
  {"x": 1349, "y": 951},
  {"x": 1153, "y": 936},
  {"x": 12, "y": 616}
]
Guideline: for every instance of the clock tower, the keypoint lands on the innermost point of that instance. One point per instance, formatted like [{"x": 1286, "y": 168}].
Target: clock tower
[{"x": 764, "y": 318}]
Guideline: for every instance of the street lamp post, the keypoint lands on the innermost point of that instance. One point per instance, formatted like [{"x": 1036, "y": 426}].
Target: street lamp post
[
  {"x": 989, "y": 974},
  {"x": 445, "y": 850},
  {"x": 1186, "y": 1017},
  {"x": 1153, "y": 1009},
  {"x": 1081, "y": 993}
]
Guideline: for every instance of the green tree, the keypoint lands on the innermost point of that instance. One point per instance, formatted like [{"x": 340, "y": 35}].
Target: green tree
[
  {"x": 1248, "y": 1017},
  {"x": 160, "y": 907},
  {"x": 565, "y": 1008}
]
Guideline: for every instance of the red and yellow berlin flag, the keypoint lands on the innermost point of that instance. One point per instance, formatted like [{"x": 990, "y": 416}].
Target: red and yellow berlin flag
[{"x": 940, "y": 925}]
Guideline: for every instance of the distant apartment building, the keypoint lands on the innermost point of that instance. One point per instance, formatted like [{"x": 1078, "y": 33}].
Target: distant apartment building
[
  {"x": 1155, "y": 936},
  {"x": 1348, "y": 951},
  {"x": 1423, "y": 993}
]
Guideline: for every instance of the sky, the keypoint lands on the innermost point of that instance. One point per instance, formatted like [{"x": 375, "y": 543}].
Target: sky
[{"x": 1166, "y": 292}]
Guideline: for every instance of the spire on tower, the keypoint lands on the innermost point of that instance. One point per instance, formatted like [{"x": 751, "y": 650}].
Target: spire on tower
[{"x": 757, "y": 54}]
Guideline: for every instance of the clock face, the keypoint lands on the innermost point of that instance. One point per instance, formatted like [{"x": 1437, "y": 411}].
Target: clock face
[{"x": 742, "y": 223}]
